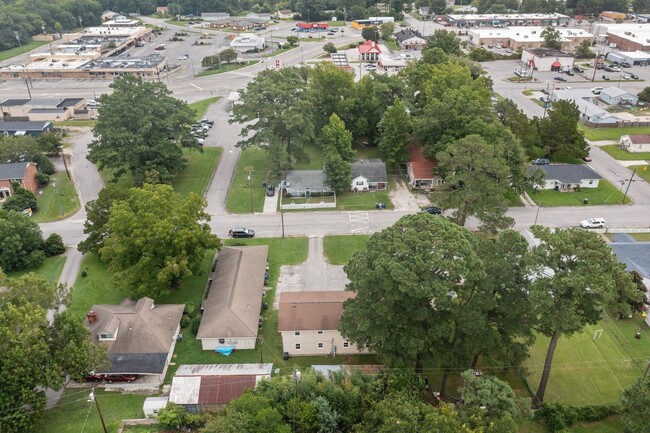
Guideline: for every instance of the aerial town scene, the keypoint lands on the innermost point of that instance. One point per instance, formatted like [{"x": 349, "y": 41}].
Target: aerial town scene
[{"x": 325, "y": 216}]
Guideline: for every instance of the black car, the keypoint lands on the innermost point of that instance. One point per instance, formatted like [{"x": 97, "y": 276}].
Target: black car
[
  {"x": 560, "y": 79},
  {"x": 578, "y": 69},
  {"x": 634, "y": 76},
  {"x": 541, "y": 161},
  {"x": 433, "y": 210},
  {"x": 605, "y": 77},
  {"x": 380, "y": 205},
  {"x": 270, "y": 190},
  {"x": 241, "y": 233}
]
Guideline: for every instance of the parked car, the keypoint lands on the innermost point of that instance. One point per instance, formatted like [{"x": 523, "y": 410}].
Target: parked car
[
  {"x": 433, "y": 210},
  {"x": 578, "y": 69},
  {"x": 627, "y": 76},
  {"x": 544, "y": 99},
  {"x": 241, "y": 233},
  {"x": 593, "y": 223},
  {"x": 626, "y": 65},
  {"x": 183, "y": 57},
  {"x": 634, "y": 76},
  {"x": 270, "y": 190},
  {"x": 608, "y": 69},
  {"x": 139, "y": 44},
  {"x": 509, "y": 50},
  {"x": 330, "y": 33},
  {"x": 380, "y": 205},
  {"x": 605, "y": 77},
  {"x": 596, "y": 90},
  {"x": 209, "y": 122},
  {"x": 371, "y": 68},
  {"x": 110, "y": 378},
  {"x": 94, "y": 377},
  {"x": 615, "y": 69},
  {"x": 569, "y": 72},
  {"x": 560, "y": 79},
  {"x": 541, "y": 161},
  {"x": 587, "y": 158}
]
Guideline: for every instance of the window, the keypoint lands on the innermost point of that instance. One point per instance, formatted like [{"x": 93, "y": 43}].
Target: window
[
  {"x": 297, "y": 333},
  {"x": 321, "y": 345},
  {"x": 222, "y": 340},
  {"x": 106, "y": 336},
  {"x": 297, "y": 346},
  {"x": 591, "y": 182},
  {"x": 359, "y": 182},
  {"x": 346, "y": 344},
  {"x": 321, "y": 332}
]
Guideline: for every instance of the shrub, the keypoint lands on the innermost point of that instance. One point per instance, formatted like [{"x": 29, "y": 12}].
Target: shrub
[
  {"x": 21, "y": 200},
  {"x": 43, "y": 163},
  {"x": 42, "y": 179},
  {"x": 558, "y": 417},
  {"x": 53, "y": 245},
  {"x": 195, "y": 325},
  {"x": 190, "y": 309},
  {"x": 185, "y": 321},
  {"x": 84, "y": 273}
]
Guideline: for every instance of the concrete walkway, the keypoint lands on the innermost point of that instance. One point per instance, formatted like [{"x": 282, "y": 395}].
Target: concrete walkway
[{"x": 271, "y": 203}]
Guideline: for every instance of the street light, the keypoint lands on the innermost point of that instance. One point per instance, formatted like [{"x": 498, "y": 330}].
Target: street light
[{"x": 18, "y": 39}]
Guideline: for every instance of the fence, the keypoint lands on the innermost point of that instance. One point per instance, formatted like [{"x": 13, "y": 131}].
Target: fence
[
  {"x": 321, "y": 205},
  {"x": 132, "y": 422},
  {"x": 637, "y": 230}
]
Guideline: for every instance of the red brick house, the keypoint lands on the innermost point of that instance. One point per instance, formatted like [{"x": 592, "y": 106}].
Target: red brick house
[
  {"x": 369, "y": 51},
  {"x": 422, "y": 171},
  {"x": 23, "y": 173}
]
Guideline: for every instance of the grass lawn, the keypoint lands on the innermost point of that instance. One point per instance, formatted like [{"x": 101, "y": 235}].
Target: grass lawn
[
  {"x": 606, "y": 193},
  {"x": 56, "y": 203},
  {"x": 75, "y": 122},
  {"x": 592, "y": 371},
  {"x": 239, "y": 198},
  {"x": 624, "y": 155},
  {"x": 176, "y": 22},
  {"x": 24, "y": 48},
  {"x": 50, "y": 269},
  {"x": 201, "y": 106},
  {"x": 527, "y": 92},
  {"x": 74, "y": 413},
  {"x": 200, "y": 166},
  {"x": 315, "y": 159},
  {"x": 608, "y": 425},
  {"x": 643, "y": 171},
  {"x": 339, "y": 249},
  {"x": 599, "y": 134},
  {"x": 392, "y": 45},
  {"x": 228, "y": 67}
]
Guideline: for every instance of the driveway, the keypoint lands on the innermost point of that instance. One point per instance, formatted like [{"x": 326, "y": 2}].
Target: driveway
[{"x": 403, "y": 199}]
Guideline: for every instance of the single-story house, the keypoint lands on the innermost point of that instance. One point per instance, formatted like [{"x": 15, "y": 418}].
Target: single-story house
[
  {"x": 304, "y": 183},
  {"x": 210, "y": 387},
  {"x": 231, "y": 313},
  {"x": 568, "y": 177},
  {"x": 163, "y": 10},
  {"x": 285, "y": 14},
  {"x": 214, "y": 16},
  {"x": 369, "y": 51},
  {"x": 369, "y": 175},
  {"x": 616, "y": 96},
  {"x": 309, "y": 324},
  {"x": 422, "y": 171},
  {"x": 248, "y": 42},
  {"x": 546, "y": 59},
  {"x": 409, "y": 39},
  {"x": 635, "y": 143},
  {"x": 23, "y": 173},
  {"x": 34, "y": 129},
  {"x": 140, "y": 336}
]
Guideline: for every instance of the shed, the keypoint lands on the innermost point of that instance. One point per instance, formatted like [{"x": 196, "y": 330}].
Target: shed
[{"x": 153, "y": 405}]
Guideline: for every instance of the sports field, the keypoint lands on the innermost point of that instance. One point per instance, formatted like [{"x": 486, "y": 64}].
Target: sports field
[{"x": 588, "y": 370}]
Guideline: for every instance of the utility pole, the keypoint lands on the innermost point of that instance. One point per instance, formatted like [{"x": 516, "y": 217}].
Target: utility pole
[
  {"x": 345, "y": 15},
  {"x": 628, "y": 185},
  {"x": 261, "y": 338},
  {"x": 249, "y": 169},
  {"x": 93, "y": 397}
]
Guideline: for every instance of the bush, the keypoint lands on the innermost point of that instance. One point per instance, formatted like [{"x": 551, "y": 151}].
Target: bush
[
  {"x": 21, "y": 200},
  {"x": 329, "y": 48},
  {"x": 43, "y": 163},
  {"x": 84, "y": 273},
  {"x": 195, "y": 325},
  {"x": 190, "y": 309},
  {"x": 53, "y": 245},
  {"x": 558, "y": 417},
  {"x": 185, "y": 321},
  {"x": 42, "y": 179}
]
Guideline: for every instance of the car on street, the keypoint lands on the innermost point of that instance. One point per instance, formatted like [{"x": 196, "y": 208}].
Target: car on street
[
  {"x": 587, "y": 158},
  {"x": 596, "y": 90},
  {"x": 560, "y": 79},
  {"x": 92, "y": 103},
  {"x": 541, "y": 161},
  {"x": 593, "y": 223},
  {"x": 433, "y": 210},
  {"x": 605, "y": 77},
  {"x": 160, "y": 47},
  {"x": 110, "y": 378},
  {"x": 241, "y": 232}
]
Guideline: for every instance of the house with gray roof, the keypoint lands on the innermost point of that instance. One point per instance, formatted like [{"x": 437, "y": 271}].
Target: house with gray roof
[
  {"x": 409, "y": 39},
  {"x": 140, "y": 336},
  {"x": 21, "y": 173},
  {"x": 304, "y": 183},
  {"x": 616, "y": 96},
  {"x": 34, "y": 129},
  {"x": 231, "y": 312},
  {"x": 567, "y": 177},
  {"x": 368, "y": 175},
  {"x": 214, "y": 16}
]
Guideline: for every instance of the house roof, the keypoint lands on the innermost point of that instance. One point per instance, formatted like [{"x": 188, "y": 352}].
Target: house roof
[
  {"x": 311, "y": 311},
  {"x": 614, "y": 92},
  {"x": 24, "y": 126},
  {"x": 144, "y": 333},
  {"x": 634, "y": 255},
  {"x": 406, "y": 34},
  {"x": 421, "y": 166},
  {"x": 285, "y": 11},
  {"x": 567, "y": 173},
  {"x": 13, "y": 170},
  {"x": 639, "y": 138},
  {"x": 547, "y": 52},
  {"x": 369, "y": 47},
  {"x": 372, "y": 169},
  {"x": 234, "y": 301},
  {"x": 42, "y": 102},
  {"x": 209, "y": 389},
  {"x": 306, "y": 179}
]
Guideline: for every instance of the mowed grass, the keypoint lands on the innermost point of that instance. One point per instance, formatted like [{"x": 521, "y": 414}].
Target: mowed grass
[
  {"x": 624, "y": 155},
  {"x": 605, "y": 194},
  {"x": 244, "y": 192},
  {"x": 56, "y": 203},
  {"x": 643, "y": 171},
  {"x": 593, "y": 371},
  {"x": 24, "y": 48},
  {"x": 75, "y": 413},
  {"x": 339, "y": 249},
  {"x": 351, "y": 201},
  {"x": 599, "y": 134},
  {"x": 228, "y": 67},
  {"x": 200, "y": 107},
  {"x": 50, "y": 269}
]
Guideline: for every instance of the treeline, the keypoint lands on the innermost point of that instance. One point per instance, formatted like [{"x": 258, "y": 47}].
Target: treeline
[{"x": 571, "y": 7}]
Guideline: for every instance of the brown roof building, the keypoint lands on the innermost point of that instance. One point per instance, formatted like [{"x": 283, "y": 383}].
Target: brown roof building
[
  {"x": 422, "y": 171},
  {"x": 231, "y": 312},
  {"x": 309, "y": 323}
]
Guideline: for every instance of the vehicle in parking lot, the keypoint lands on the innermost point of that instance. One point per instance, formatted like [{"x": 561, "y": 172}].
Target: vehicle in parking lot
[
  {"x": 433, "y": 210},
  {"x": 241, "y": 232},
  {"x": 541, "y": 161},
  {"x": 183, "y": 57},
  {"x": 593, "y": 223},
  {"x": 605, "y": 77},
  {"x": 615, "y": 69},
  {"x": 634, "y": 76},
  {"x": 92, "y": 103},
  {"x": 608, "y": 69},
  {"x": 139, "y": 44},
  {"x": 331, "y": 33},
  {"x": 371, "y": 68},
  {"x": 294, "y": 29},
  {"x": 626, "y": 65},
  {"x": 627, "y": 76},
  {"x": 578, "y": 69},
  {"x": 560, "y": 79},
  {"x": 110, "y": 378},
  {"x": 257, "y": 29},
  {"x": 544, "y": 98},
  {"x": 160, "y": 47}
]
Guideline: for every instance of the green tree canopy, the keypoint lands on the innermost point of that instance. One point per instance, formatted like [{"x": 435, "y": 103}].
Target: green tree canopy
[
  {"x": 559, "y": 131},
  {"x": 636, "y": 406},
  {"x": 395, "y": 133},
  {"x": 520, "y": 125},
  {"x": 97, "y": 214},
  {"x": 446, "y": 41},
  {"x": 489, "y": 392},
  {"x": 370, "y": 33},
  {"x": 551, "y": 38},
  {"x": 386, "y": 30},
  {"x": 141, "y": 128},
  {"x": 583, "y": 51},
  {"x": 21, "y": 242},
  {"x": 336, "y": 142}
]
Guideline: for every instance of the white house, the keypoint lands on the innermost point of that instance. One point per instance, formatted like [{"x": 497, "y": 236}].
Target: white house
[
  {"x": 248, "y": 42},
  {"x": 368, "y": 175},
  {"x": 304, "y": 183},
  {"x": 635, "y": 143},
  {"x": 617, "y": 96},
  {"x": 285, "y": 14},
  {"x": 567, "y": 177}
]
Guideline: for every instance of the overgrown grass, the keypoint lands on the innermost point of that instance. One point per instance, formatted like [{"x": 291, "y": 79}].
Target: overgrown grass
[
  {"x": 605, "y": 194},
  {"x": 228, "y": 67},
  {"x": 56, "y": 203},
  {"x": 50, "y": 269},
  {"x": 201, "y": 106},
  {"x": 623, "y": 155},
  {"x": 24, "y": 48},
  {"x": 200, "y": 166},
  {"x": 599, "y": 134},
  {"x": 75, "y": 413},
  {"x": 339, "y": 249},
  {"x": 75, "y": 122},
  {"x": 244, "y": 192}
]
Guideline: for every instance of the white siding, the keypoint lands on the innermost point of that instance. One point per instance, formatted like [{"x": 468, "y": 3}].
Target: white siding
[
  {"x": 239, "y": 343},
  {"x": 360, "y": 183},
  {"x": 309, "y": 342}
]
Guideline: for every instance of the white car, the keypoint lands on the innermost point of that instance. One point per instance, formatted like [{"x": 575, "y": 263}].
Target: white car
[
  {"x": 593, "y": 223},
  {"x": 183, "y": 57}
]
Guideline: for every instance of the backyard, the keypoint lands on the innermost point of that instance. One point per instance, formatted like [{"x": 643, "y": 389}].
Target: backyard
[
  {"x": 56, "y": 201},
  {"x": 50, "y": 269},
  {"x": 605, "y": 194},
  {"x": 339, "y": 249},
  {"x": 624, "y": 155},
  {"x": 599, "y": 134}
]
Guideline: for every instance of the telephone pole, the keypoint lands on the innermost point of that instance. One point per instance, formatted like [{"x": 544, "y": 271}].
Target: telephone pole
[{"x": 93, "y": 397}]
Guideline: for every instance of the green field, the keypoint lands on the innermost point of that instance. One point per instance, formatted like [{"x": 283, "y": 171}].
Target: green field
[
  {"x": 75, "y": 122},
  {"x": 228, "y": 67},
  {"x": 605, "y": 194},
  {"x": 339, "y": 249},
  {"x": 599, "y": 134},
  {"x": 26, "y": 47},
  {"x": 174, "y": 22},
  {"x": 56, "y": 203},
  {"x": 242, "y": 192},
  {"x": 75, "y": 413},
  {"x": 201, "y": 106},
  {"x": 50, "y": 269},
  {"x": 593, "y": 371},
  {"x": 643, "y": 171},
  {"x": 624, "y": 155},
  {"x": 352, "y": 201}
]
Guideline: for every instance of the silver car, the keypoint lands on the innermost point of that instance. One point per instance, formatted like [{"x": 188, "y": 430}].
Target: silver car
[{"x": 593, "y": 223}]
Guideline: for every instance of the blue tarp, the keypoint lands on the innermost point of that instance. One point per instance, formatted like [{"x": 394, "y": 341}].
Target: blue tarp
[{"x": 226, "y": 350}]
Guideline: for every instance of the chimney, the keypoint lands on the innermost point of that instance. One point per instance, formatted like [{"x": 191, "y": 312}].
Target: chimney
[{"x": 92, "y": 316}]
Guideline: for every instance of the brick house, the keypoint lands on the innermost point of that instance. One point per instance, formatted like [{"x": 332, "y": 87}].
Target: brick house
[{"x": 23, "y": 173}]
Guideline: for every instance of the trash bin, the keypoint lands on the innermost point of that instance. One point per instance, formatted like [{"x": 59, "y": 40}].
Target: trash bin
[
  {"x": 585, "y": 200},
  {"x": 285, "y": 356}
]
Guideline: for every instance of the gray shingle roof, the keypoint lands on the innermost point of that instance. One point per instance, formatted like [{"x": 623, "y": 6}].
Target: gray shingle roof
[
  {"x": 306, "y": 179},
  {"x": 372, "y": 169},
  {"x": 568, "y": 173},
  {"x": 405, "y": 34},
  {"x": 23, "y": 126},
  {"x": 13, "y": 170}
]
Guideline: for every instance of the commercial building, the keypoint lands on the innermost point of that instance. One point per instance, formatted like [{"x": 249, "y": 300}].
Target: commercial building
[
  {"x": 546, "y": 59},
  {"x": 525, "y": 37},
  {"x": 611, "y": 16},
  {"x": 629, "y": 57},
  {"x": 41, "y": 109},
  {"x": 617, "y": 96},
  {"x": 214, "y": 16},
  {"x": 248, "y": 42},
  {"x": 631, "y": 37},
  {"x": 506, "y": 20},
  {"x": 371, "y": 22}
]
